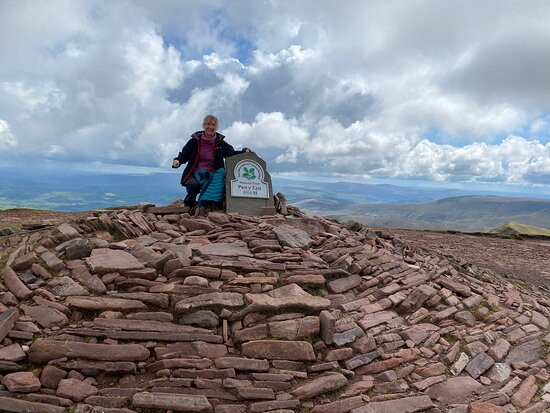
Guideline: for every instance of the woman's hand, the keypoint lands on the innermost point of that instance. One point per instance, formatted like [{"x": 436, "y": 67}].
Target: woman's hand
[
  {"x": 175, "y": 163},
  {"x": 249, "y": 150}
]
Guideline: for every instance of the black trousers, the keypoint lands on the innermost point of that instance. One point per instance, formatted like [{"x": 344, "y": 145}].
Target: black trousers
[{"x": 193, "y": 189}]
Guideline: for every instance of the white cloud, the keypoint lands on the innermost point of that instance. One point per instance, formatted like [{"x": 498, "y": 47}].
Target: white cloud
[
  {"x": 55, "y": 150},
  {"x": 269, "y": 61},
  {"x": 514, "y": 160},
  {"x": 7, "y": 140},
  {"x": 155, "y": 68},
  {"x": 40, "y": 97},
  {"x": 273, "y": 133},
  {"x": 388, "y": 89}
]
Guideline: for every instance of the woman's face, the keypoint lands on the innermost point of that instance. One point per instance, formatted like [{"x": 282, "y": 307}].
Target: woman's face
[{"x": 210, "y": 127}]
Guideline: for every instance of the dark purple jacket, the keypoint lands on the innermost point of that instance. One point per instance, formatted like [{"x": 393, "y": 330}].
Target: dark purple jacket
[{"x": 190, "y": 153}]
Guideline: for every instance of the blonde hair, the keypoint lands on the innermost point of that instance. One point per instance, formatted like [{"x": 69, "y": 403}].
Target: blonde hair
[{"x": 209, "y": 118}]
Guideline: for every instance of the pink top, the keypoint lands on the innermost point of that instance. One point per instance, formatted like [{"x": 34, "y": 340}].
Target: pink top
[{"x": 207, "y": 153}]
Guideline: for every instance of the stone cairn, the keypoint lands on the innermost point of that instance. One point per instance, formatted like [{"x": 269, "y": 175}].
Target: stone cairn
[{"x": 132, "y": 311}]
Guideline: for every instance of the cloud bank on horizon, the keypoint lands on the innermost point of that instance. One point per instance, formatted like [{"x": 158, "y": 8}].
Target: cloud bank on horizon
[{"x": 423, "y": 89}]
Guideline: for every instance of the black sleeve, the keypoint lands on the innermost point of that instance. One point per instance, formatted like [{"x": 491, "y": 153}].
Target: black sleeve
[
  {"x": 228, "y": 150},
  {"x": 183, "y": 156}
]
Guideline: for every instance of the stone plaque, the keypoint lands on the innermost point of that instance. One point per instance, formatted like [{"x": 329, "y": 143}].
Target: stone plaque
[{"x": 248, "y": 184}]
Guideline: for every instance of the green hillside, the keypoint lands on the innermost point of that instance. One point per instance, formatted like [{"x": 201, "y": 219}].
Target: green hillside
[
  {"x": 515, "y": 228},
  {"x": 464, "y": 213}
]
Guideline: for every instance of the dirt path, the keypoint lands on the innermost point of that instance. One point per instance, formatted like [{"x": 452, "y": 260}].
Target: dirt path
[{"x": 528, "y": 260}]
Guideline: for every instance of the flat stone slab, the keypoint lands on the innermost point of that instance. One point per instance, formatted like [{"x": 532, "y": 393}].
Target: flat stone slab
[
  {"x": 17, "y": 405},
  {"x": 195, "y": 348},
  {"x": 415, "y": 299},
  {"x": 43, "y": 350},
  {"x": 96, "y": 368},
  {"x": 21, "y": 382},
  {"x": 75, "y": 248},
  {"x": 277, "y": 406},
  {"x": 528, "y": 352},
  {"x": 67, "y": 230},
  {"x": 479, "y": 365},
  {"x": 146, "y": 325},
  {"x": 45, "y": 316},
  {"x": 66, "y": 287},
  {"x": 24, "y": 261},
  {"x": 416, "y": 334},
  {"x": 320, "y": 385},
  {"x": 454, "y": 389},
  {"x": 372, "y": 320},
  {"x": 169, "y": 401},
  {"x": 223, "y": 300},
  {"x": 14, "y": 284},
  {"x": 90, "y": 281},
  {"x": 105, "y": 260},
  {"x": 499, "y": 372},
  {"x": 239, "y": 363},
  {"x": 290, "y": 296},
  {"x": 405, "y": 405},
  {"x": 146, "y": 335},
  {"x": 7, "y": 321},
  {"x": 459, "y": 365},
  {"x": 180, "y": 363},
  {"x": 51, "y": 261},
  {"x": 181, "y": 251},
  {"x": 279, "y": 350},
  {"x": 153, "y": 299},
  {"x": 344, "y": 284},
  {"x": 104, "y": 303},
  {"x": 13, "y": 352},
  {"x": 348, "y": 336},
  {"x": 456, "y": 286},
  {"x": 293, "y": 237},
  {"x": 361, "y": 360},
  {"x": 75, "y": 389},
  {"x": 225, "y": 249},
  {"x": 339, "y": 406}
]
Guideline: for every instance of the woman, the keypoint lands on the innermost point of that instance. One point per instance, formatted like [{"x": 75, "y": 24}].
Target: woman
[{"x": 204, "y": 154}]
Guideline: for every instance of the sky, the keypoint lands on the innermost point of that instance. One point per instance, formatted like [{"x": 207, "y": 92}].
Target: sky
[{"x": 452, "y": 91}]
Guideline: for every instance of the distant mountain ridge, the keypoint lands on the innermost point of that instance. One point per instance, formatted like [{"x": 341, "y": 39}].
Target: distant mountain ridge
[
  {"x": 462, "y": 213},
  {"x": 79, "y": 191},
  {"x": 371, "y": 203}
]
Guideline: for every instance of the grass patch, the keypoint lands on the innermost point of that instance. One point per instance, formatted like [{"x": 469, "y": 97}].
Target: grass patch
[
  {"x": 518, "y": 230},
  {"x": 463, "y": 347},
  {"x": 482, "y": 303},
  {"x": 543, "y": 353},
  {"x": 450, "y": 338}
]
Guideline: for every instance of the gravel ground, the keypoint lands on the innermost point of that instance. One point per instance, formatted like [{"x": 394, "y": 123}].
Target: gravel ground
[
  {"x": 16, "y": 218},
  {"x": 528, "y": 260}
]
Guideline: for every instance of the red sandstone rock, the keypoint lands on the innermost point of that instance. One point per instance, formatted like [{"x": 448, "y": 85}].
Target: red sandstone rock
[
  {"x": 75, "y": 389},
  {"x": 274, "y": 349},
  {"x": 22, "y": 382}
]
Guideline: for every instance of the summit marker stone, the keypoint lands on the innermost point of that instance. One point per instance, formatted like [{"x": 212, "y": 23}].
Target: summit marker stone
[{"x": 248, "y": 185}]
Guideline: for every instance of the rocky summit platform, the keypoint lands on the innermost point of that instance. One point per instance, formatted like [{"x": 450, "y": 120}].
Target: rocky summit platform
[{"x": 126, "y": 311}]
